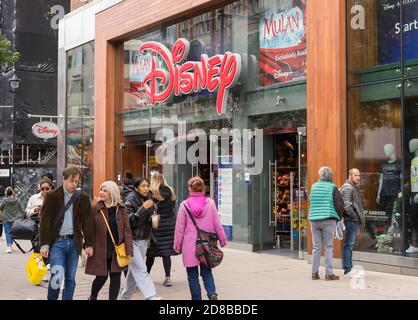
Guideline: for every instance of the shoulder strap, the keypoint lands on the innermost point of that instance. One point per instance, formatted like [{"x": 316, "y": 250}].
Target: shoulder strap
[
  {"x": 20, "y": 248},
  {"x": 191, "y": 216},
  {"x": 73, "y": 198},
  {"x": 71, "y": 201},
  {"x": 108, "y": 228}
]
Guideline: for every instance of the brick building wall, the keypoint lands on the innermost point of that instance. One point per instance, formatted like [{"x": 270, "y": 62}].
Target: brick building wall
[{"x": 75, "y": 4}]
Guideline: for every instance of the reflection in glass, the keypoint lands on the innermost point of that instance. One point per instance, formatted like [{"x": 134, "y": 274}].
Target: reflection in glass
[
  {"x": 375, "y": 149},
  {"x": 373, "y": 40},
  {"x": 80, "y": 111},
  {"x": 411, "y": 167}
]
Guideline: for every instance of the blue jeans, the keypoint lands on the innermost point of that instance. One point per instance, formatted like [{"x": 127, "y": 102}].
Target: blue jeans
[
  {"x": 194, "y": 285},
  {"x": 351, "y": 230},
  {"x": 64, "y": 261},
  {"x": 7, "y": 228}
]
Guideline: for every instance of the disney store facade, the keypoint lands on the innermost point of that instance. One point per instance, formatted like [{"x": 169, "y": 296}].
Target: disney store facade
[{"x": 252, "y": 96}]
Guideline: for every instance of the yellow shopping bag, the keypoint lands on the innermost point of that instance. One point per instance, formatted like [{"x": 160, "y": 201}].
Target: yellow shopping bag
[{"x": 35, "y": 268}]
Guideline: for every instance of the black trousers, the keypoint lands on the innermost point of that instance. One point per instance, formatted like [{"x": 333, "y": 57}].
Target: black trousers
[
  {"x": 166, "y": 263},
  {"x": 99, "y": 282}
]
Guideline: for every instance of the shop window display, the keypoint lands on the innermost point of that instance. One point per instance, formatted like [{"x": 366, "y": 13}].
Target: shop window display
[
  {"x": 411, "y": 170},
  {"x": 374, "y": 147}
]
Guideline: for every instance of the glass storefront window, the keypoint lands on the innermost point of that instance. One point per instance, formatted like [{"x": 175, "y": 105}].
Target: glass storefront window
[
  {"x": 373, "y": 43},
  {"x": 270, "y": 95},
  {"x": 411, "y": 167},
  {"x": 380, "y": 39},
  {"x": 410, "y": 36},
  {"x": 374, "y": 147},
  {"x": 382, "y": 120},
  {"x": 80, "y": 111}
]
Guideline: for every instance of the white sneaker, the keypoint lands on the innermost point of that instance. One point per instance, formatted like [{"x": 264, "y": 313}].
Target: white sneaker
[
  {"x": 9, "y": 249},
  {"x": 155, "y": 298},
  {"x": 411, "y": 249},
  {"x": 352, "y": 274}
]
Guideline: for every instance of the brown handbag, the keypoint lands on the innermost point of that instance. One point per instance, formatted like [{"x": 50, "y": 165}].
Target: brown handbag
[{"x": 121, "y": 256}]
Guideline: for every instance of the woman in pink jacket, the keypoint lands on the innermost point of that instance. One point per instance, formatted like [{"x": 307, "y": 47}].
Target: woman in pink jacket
[{"x": 206, "y": 215}]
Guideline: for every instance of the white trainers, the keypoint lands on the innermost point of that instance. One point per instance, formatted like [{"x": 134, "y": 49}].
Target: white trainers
[
  {"x": 155, "y": 298},
  {"x": 9, "y": 249},
  {"x": 412, "y": 249}
]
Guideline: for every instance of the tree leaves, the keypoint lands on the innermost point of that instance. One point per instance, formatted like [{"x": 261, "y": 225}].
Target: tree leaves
[{"x": 6, "y": 51}]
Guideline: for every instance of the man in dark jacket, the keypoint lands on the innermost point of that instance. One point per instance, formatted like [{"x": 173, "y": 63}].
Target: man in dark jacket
[
  {"x": 353, "y": 218},
  {"x": 61, "y": 233}
]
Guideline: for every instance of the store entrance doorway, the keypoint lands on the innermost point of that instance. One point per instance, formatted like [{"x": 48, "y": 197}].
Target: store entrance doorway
[{"x": 288, "y": 192}]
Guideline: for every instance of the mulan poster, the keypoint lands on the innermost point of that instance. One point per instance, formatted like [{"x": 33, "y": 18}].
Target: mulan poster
[
  {"x": 283, "y": 42},
  {"x": 390, "y": 28},
  {"x": 139, "y": 67}
]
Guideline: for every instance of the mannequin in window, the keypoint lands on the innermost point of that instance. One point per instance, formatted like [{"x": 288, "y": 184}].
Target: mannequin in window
[
  {"x": 413, "y": 211},
  {"x": 390, "y": 182}
]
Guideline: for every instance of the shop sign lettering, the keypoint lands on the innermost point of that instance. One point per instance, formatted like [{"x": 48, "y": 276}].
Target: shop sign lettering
[
  {"x": 45, "y": 130},
  {"x": 176, "y": 77}
]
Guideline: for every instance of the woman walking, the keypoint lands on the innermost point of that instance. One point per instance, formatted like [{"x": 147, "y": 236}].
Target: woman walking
[
  {"x": 139, "y": 207},
  {"x": 206, "y": 215},
  {"x": 12, "y": 210},
  {"x": 326, "y": 208},
  {"x": 163, "y": 237},
  {"x": 103, "y": 263}
]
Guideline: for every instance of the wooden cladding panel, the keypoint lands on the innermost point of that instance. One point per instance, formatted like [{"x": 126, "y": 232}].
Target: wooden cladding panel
[{"x": 326, "y": 91}]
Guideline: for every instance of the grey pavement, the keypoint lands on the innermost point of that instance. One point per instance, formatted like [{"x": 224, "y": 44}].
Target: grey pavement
[{"x": 241, "y": 276}]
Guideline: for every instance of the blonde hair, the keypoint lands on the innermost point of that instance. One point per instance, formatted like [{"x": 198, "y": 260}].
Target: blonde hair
[
  {"x": 114, "y": 192},
  {"x": 157, "y": 181}
]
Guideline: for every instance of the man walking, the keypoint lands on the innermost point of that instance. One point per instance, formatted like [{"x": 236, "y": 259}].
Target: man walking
[
  {"x": 353, "y": 218},
  {"x": 66, "y": 218}
]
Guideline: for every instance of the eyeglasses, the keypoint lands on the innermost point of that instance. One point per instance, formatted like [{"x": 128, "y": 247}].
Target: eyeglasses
[{"x": 45, "y": 189}]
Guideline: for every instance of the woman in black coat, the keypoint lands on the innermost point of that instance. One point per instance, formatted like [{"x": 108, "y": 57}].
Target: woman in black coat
[{"x": 162, "y": 238}]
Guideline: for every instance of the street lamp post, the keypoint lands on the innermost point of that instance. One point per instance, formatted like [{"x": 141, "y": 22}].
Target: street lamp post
[{"x": 14, "y": 83}]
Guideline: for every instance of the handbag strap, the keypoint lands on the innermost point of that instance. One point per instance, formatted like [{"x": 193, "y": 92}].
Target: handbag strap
[
  {"x": 108, "y": 227},
  {"x": 191, "y": 216}
]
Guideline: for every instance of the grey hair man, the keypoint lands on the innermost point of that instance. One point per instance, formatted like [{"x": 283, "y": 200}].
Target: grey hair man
[{"x": 353, "y": 218}]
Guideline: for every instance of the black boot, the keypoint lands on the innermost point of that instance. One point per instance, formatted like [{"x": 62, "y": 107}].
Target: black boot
[
  {"x": 92, "y": 298},
  {"x": 213, "y": 296}
]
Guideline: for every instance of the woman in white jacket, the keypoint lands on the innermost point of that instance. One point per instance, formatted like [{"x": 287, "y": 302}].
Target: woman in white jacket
[{"x": 36, "y": 201}]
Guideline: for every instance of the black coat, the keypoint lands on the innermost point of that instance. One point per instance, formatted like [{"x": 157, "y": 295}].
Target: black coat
[
  {"x": 163, "y": 237},
  {"x": 139, "y": 217},
  {"x": 125, "y": 192}
]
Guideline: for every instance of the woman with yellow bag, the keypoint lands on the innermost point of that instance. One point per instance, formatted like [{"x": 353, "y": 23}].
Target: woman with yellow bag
[{"x": 112, "y": 231}]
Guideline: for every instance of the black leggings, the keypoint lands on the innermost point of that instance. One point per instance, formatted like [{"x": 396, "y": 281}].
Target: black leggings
[
  {"x": 114, "y": 287},
  {"x": 166, "y": 263}
]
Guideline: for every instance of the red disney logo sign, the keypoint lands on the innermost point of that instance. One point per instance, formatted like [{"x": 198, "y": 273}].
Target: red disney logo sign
[
  {"x": 217, "y": 73},
  {"x": 45, "y": 130}
]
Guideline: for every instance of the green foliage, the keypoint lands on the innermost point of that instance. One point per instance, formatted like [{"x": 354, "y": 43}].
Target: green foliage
[{"x": 6, "y": 51}]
